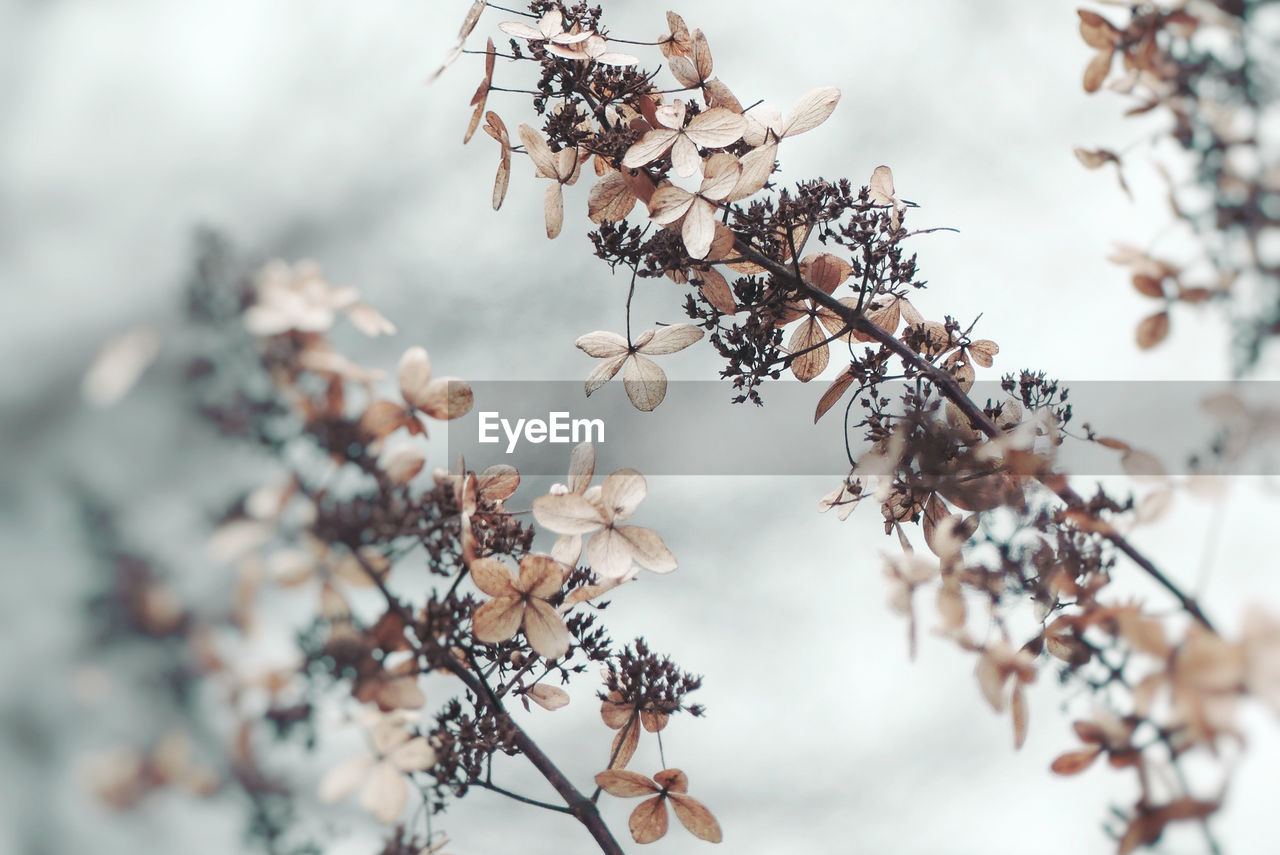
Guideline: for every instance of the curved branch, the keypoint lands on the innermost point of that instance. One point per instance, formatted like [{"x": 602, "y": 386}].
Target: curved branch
[{"x": 951, "y": 390}]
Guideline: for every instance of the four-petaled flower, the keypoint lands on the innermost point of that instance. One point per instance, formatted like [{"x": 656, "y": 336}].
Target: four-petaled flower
[
  {"x": 649, "y": 820},
  {"x": 645, "y": 382},
  {"x": 715, "y": 128},
  {"x": 521, "y": 603},
  {"x": 612, "y": 548},
  {"x": 382, "y": 773},
  {"x": 561, "y": 167}
]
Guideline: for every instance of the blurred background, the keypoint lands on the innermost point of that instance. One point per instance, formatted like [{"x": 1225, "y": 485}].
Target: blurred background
[{"x": 304, "y": 130}]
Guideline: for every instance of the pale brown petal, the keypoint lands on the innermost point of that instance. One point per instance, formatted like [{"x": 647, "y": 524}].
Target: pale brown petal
[
  {"x": 651, "y": 146},
  {"x": 669, "y": 203},
  {"x": 757, "y": 165},
  {"x": 833, "y": 394},
  {"x": 1152, "y": 330},
  {"x": 694, "y": 816},
  {"x": 715, "y": 290},
  {"x": 1018, "y": 709},
  {"x": 699, "y": 228},
  {"x": 385, "y": 794},
  {"x": 685, "y": 159},
  {"x": 493, "y": 577},
  {"x": 624, "y": 745},
  {"x": 645, "y": 382},
  {"x": 582, "y": 465},
  {"x": 602, "y": 345},
  {"x": 382, "y": 418},
  {"x": 540, "y": 576},
  {"x": 414, "y": 375},
  {"x": 548, "y": 697},
  {"x": 569, "y": 513},
  {"x": 1098, "y": 69},
  {"x": 501, "y": 180},
  {"x": 446, "y": 398},
  {"x": 622, "y": 492},
  {"x": 413, "y": 756},
  {"x": 545, "y": 630},
  {"x": 809, "y": 336},
  {"x": 624, "y": 784},
  {"x": 719, "y": 95},
  {"x": 499, "y": 481},
  {"x": 648, "y": 821},
  {"x": 567, "y": 549},
  {"x": 824, "y": 270},
  {"x": 672, "y": 780},
  {"x": 119, "y": 365},
  {"x": 647, "y": 548},
  {"x": 811, "y": 110},
  {"x": 539, "y": 152},
  {"x": 609, "y": 554},
  {"x": 498, "y": 619},
  {"x": 343, "y": 780},
  {"x": 670, "y": 339},
  {"x": 716, "y": 128},
  {"x": 610, "y": 199},
  {"x": 553, "y": 208},
  {"x": 882, "y": 186},
  {"x": 469, "y": 21},
  {"x": 982, "y": 351},
  {"x": 1074, "y": 762}
]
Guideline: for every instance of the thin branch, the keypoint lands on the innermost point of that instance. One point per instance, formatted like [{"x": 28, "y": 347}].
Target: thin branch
[{"x": 950, "y": 388}]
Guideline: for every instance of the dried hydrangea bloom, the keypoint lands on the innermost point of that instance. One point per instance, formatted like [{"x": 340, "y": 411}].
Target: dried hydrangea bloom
[
  {"x": 612, "y": 548},
  {"x": 380, "y": 775},
  {"x": 649, "y": 820},
  {"x": 644, "y": 381},
  {"x": 715, "y": 128},
  {"x": 521, "y": 604}
]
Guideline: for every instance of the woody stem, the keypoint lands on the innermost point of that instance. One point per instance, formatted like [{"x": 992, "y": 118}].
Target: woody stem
[{"x": 951, "y": 390}]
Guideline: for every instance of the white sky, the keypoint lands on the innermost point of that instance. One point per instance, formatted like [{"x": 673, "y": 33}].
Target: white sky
[{"x": 303, "y": 129}]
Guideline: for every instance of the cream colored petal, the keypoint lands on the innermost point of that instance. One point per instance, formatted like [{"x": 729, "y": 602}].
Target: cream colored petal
[
  {"x": 609, "y": 554},
  {"x": 414, "y": 375},
  {"x": 568, "y": 513},
  {"x": 545, "y": 630},
  {"x": 644, "y": 381},
  {"x": 716, "y": 128},
  {"x": 539, "y": 152},
  {"x": 498, "y": 619},
  {"x": 603, "y": 373},
  {"x": 647, "y": 548},
  {"x": 414, "y": 756},
  {"x": 651, "y": 146},
  {"x": 685, "y": 160},
  {"x": 582, "y": 465},
  {"x": 811, "y": 110},
  {"x": 386, "y": 794},
  {"x": 622, "y": 492},
  {"x": 671, "y": 339},
  {"x": 567, "y": 549},
  {"x": 540, "y": 576},
  {"x": 493, "y": 577},
  {"x": 699, "y": 228},
  {"x": 345, "y": 778},
  {"x": 548, "y": 697},
  {"x": 602, "y": 344}
]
